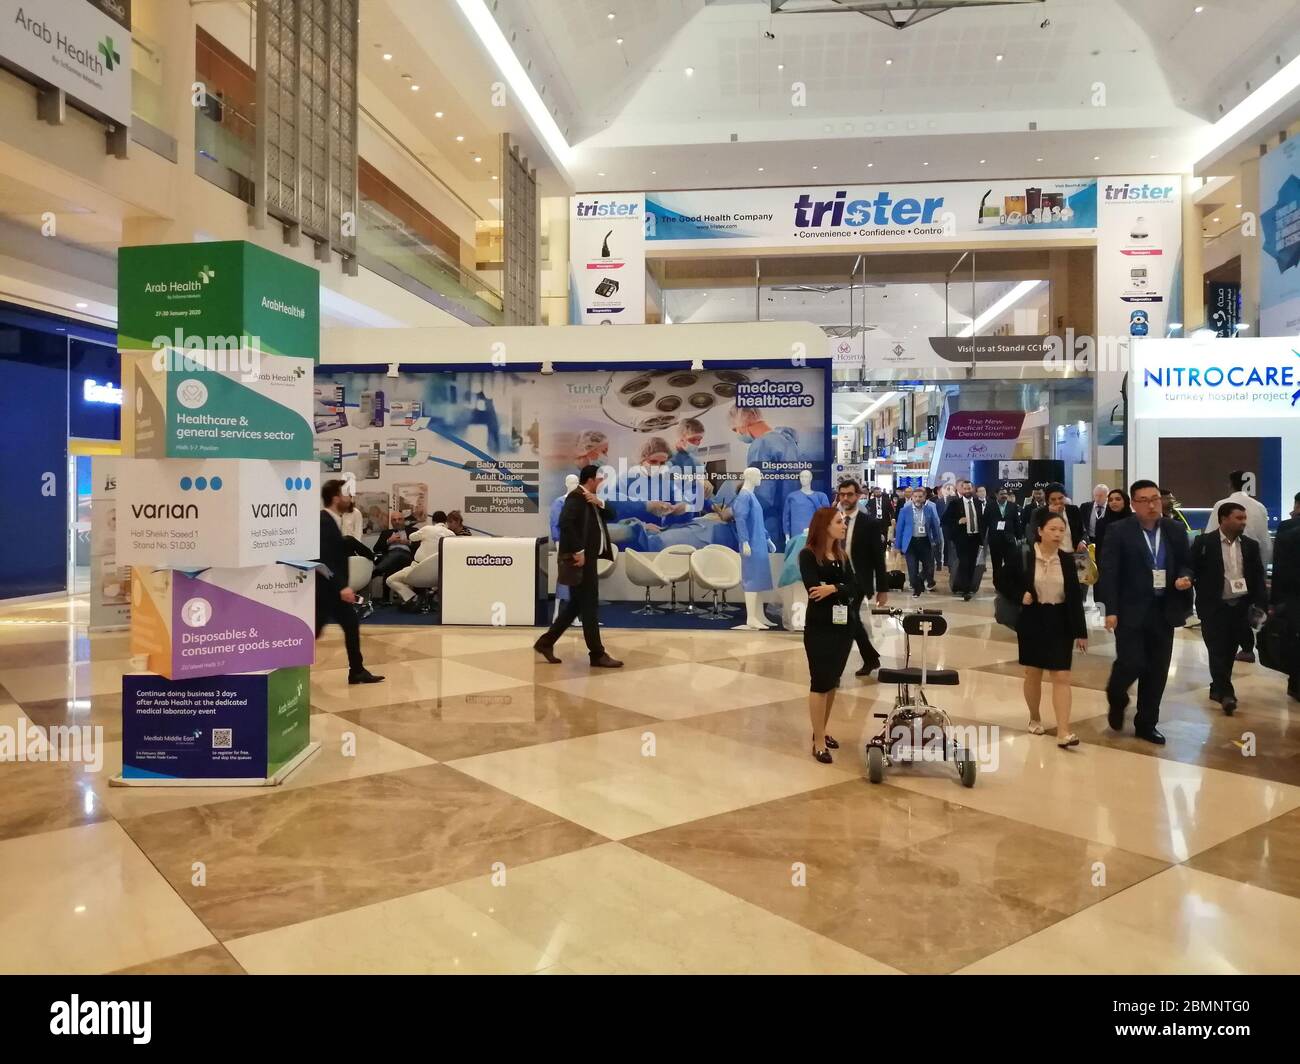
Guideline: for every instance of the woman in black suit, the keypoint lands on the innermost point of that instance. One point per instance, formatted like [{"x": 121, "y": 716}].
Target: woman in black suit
[
  {"x": 1117, "y": 509},
  {"x": 1044, "y": 580},
  {"x": 827, "y": 633}
]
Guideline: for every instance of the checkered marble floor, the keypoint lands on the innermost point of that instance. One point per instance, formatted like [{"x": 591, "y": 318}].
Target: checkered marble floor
[{"x": 482, "y": 812}]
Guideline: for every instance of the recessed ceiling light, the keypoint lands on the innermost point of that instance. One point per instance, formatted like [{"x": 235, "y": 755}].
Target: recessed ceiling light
[
  {"x": 925, "y": 164},
  {"x": 1238, "y": 206},
  {"x": 1039, "y": 159},
  {"x": 1216, "y": 221},
  {"x": 1198, "y": 9},
  {"x": 889, "y": 62},
  {"x": 814, "y": 166},
  {"x": 654, "y": 172},
  {"x": 870, "y": 165},
  {"x": 459, "y": 138},
  {"x": 415, "y": 88},
  {"x": 600, "y": 173},
  {"x": 388, "y": 56},
  {"x": 780, "y": 66},
  {"x": 1096, "y": 158},
  {"x": 690, "y": 72},
  {"x": 83, "y": 306},
  {"x": 618, "y": 40},
  {"x": 437, "y": 114},
  {"x": 983, "y": 161},
  {"x": 610, "y": 16},
  {"x": 478, "y": 158},
  {"x": 494, "y": 177},
  {"x": 998, "y": 57}
]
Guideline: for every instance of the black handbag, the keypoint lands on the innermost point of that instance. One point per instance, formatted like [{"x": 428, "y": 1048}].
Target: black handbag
[
  {"x": 567, "y": 571},
  {"x": 1278, "y": 644},
  {"x": 1006, "y": 611}
]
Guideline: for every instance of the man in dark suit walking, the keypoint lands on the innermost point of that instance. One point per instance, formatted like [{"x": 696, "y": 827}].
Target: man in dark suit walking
[
  {"x": 334, "y": 599},
  {"x": 1004, "y": 530},
  {"x": 1228, "y": 575},
  {"x": 1284, "y": 595},
  {"x": 1146, "y": 582},
  {"x": 584, "y": 539},
  {"x": 864, "y": 542},
  {"x": 963, "y": 527}
]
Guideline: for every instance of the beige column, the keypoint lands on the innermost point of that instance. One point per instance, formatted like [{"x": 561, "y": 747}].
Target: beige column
[{"x": 1193, "y": 313}]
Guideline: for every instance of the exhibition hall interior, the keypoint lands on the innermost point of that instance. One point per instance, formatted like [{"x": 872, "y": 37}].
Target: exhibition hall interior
[{"x": 650, "y": 487}]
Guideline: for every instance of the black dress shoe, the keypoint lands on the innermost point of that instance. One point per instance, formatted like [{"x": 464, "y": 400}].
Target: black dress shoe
[
  {"x": 966, "y": 597},
  {"x": 1115, "y": 715},
  {"x": 1151, "y": 735},
  {"x": 547, "y": 653},
  {"x": 824, "y": 756},
  {"x": 364, "y": 676},
  {"x": 1229, "y": 704},
  {"x": 831, "y": 744},
  {"x": 606, "y": 662},
  {"x": 866, "y": 670}
]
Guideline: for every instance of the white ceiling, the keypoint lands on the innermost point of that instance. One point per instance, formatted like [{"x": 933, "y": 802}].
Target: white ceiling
[{"x": 1119, "y": 79}]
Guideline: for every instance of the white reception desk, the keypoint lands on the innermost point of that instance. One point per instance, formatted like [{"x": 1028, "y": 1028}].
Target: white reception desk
[{"x": 492, "y": 580}]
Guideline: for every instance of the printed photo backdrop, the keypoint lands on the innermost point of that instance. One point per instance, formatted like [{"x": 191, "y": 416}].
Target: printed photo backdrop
[{"x": 498, "y": 445}]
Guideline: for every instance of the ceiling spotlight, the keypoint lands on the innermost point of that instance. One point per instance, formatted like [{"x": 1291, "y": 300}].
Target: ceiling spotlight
[
  {"x": 814, "y": 166},
  {"x": 388, "y": 56},
  {"x": 1216, "y": 221},
  {"x": 1238, "y": 206},
  {"x": 870, "y": 165},
  {"x": 925, "y": 164},
  {"x": 494, "y": 177},
  {"x": 983, "y": 161},
  {"x": 415, "y": 88},
  {"x": 600, "y": 173},
  {"x": 780, "y": 66},
  {"x": 437, "y": 114},
  {"x": 760, "y": 169},
  {"x": 459, "y": 138},
  {"x": 998, "y": 57},
  {"x": 889, "y": 62},
  {"x": 1096, "y": 158},
  {"x": 610, "y": 16},
  {"x": 1198, "y": 9},
  {"x": 690, "y": 72},
  {"x": 653, "y": 172},
  {"x": 618, "y": 40},
  {"x": 82, "y": 306},
  {"x": 478, "y": 158}
]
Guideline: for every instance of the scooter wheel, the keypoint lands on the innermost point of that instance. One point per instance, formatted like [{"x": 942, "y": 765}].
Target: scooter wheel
[{"x": 875, "y": 764}]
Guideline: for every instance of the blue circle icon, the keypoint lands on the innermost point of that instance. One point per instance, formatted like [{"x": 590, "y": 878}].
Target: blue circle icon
[
  {"x": 215, "y": 483},
  {"x": 201, "y": 483},
  {"x": 288, "y": 483},
  {"x": 297, "y": 483},
  {"x": 186, "y": 483},
  {"x": 307, "y": 483}
]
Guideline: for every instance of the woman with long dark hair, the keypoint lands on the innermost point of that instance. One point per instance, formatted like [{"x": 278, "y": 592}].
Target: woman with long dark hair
[
  {"x": 827, "y": 632},
  {"x": 1043, "y": 579},
  {"x": 1117, "y": 509}
]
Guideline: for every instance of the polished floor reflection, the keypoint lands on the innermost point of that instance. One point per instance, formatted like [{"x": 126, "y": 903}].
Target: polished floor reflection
[{"x": 483, "y": 813}]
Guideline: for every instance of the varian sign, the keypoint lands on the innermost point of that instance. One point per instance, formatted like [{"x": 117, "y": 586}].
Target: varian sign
[{"x": 80, "y": 46}]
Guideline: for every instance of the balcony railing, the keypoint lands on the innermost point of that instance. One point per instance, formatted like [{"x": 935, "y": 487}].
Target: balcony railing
[{"x": 383, "y": 239}]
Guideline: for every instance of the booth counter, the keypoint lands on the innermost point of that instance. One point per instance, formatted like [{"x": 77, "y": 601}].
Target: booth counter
[{"x": 492, "y": 580}]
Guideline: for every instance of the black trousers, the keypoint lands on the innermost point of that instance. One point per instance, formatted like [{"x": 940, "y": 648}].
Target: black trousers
[
  {"x": 1224, "y": 629},
  {"x": 584, "y": 601},
  {"x": 1000, "y": 549},
  {"x": 1142, "y": 653},
  {"x": 870, "y": 657},
  {"x": 329, "y": 607},
  {"x": 968, "y": 552}
]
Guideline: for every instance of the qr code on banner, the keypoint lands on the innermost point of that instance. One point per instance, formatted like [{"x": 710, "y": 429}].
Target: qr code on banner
[{"x": 222, "y": 738}]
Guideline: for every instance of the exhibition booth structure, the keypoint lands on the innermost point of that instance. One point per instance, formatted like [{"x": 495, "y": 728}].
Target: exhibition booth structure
[
  {"x": 674, "y": 417},
  {"x": 1205, "y": 407},
  {"x": 213, "y": 512}
]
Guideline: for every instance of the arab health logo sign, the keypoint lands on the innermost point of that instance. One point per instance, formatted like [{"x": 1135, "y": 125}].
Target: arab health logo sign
[{"x": 80, "y": 46}]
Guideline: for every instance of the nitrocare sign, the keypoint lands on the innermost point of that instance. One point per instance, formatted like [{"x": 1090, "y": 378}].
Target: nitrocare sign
[
  {"x": 80, "y": 46},
  {"x": 217, "y": 296}
]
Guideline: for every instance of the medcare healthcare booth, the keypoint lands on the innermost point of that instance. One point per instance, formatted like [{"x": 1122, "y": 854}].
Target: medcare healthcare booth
[{"x": 490, "y": 421}]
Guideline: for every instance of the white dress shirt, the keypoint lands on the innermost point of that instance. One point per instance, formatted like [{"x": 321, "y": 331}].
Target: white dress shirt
[
  {"x": 1233, "y": 569},
  {"x": 1256, "y": 522}
]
